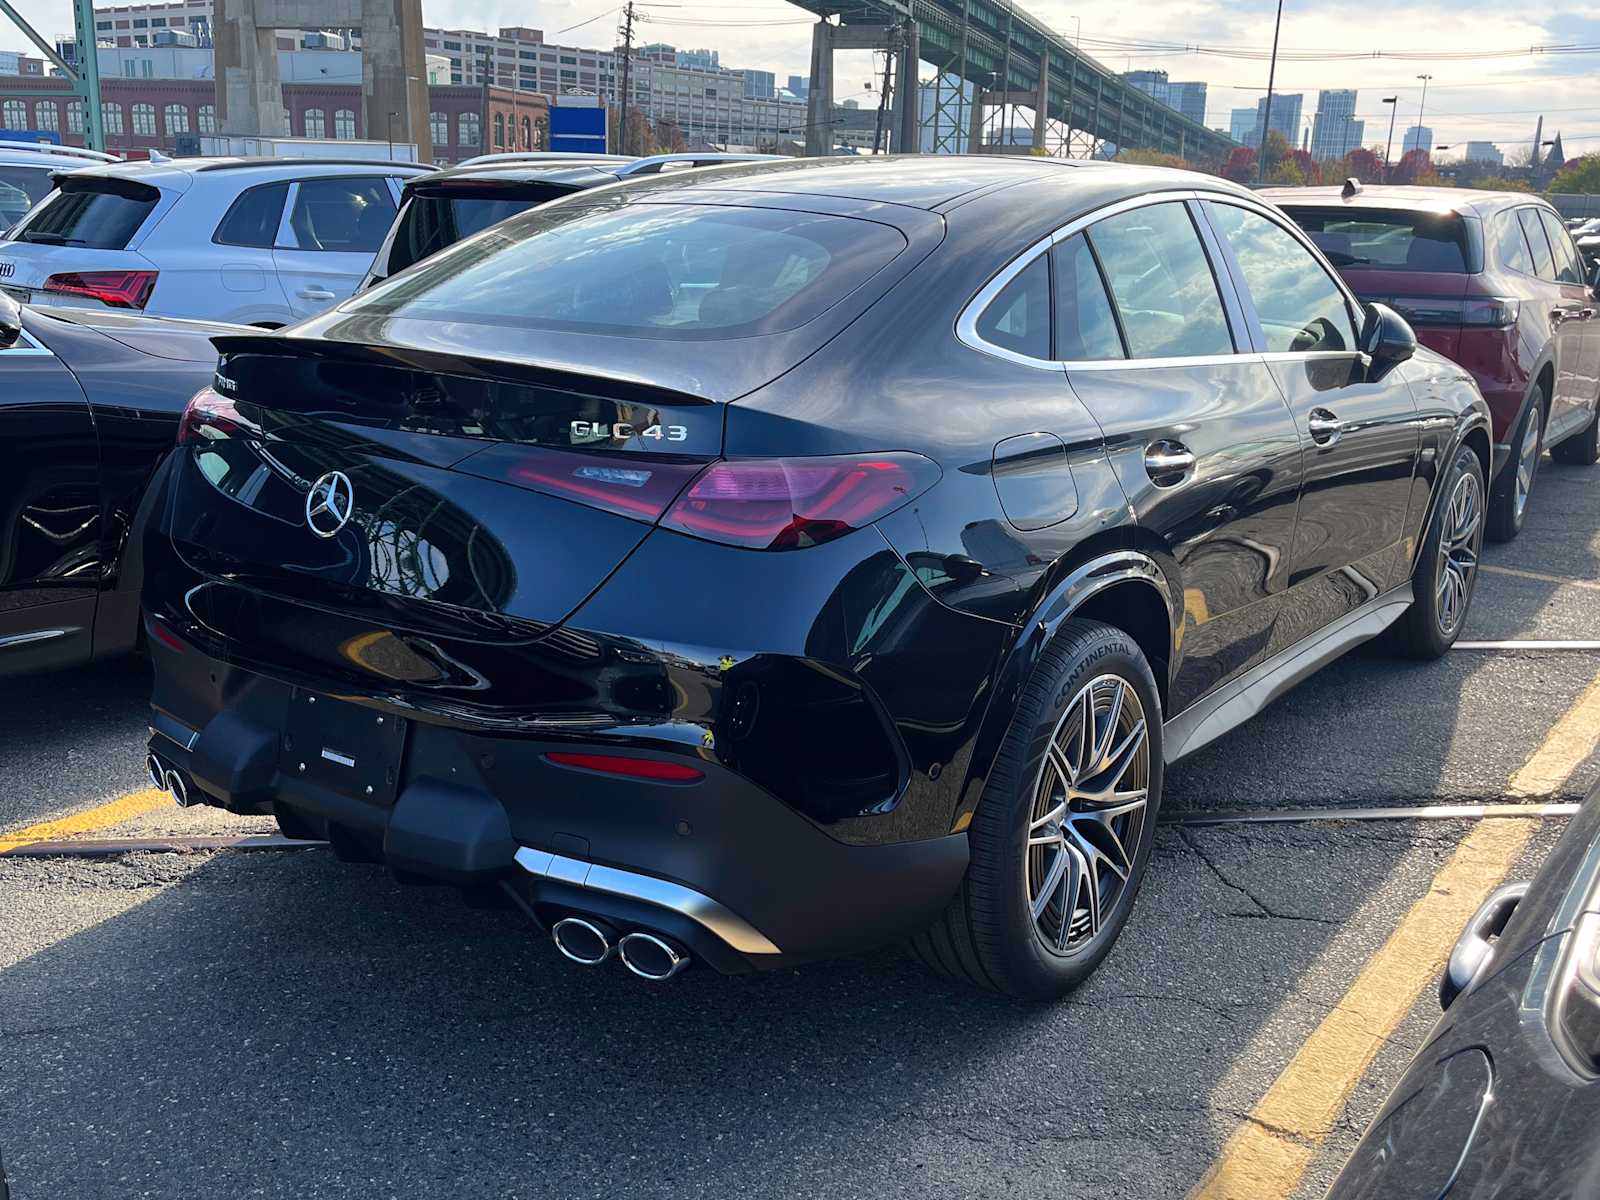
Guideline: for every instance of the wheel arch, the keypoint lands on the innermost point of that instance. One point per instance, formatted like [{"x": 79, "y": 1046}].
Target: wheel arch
[{"x": 1120, "y": 580}]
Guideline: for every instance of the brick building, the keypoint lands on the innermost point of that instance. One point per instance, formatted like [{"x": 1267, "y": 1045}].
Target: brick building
[{"x": 146, "y": 114}]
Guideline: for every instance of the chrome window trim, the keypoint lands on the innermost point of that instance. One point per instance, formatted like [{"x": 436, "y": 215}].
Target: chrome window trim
[
  {"x": 28, "y": 347},
  {"x": 967, "y": 322}
]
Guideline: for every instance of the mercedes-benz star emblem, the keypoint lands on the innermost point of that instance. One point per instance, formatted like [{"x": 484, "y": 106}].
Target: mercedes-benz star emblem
[{"x": 329, "y": 504}]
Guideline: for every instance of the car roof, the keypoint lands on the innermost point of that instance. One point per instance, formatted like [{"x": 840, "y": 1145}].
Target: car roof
[
  {"x": 931, "y": 182},
  {"x": 180, "y": 171},
  {"x": 1436, "y": 200},
  {"x": 572, "y": 172}
]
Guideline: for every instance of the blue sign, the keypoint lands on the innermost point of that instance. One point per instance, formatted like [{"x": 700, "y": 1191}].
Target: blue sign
[
  {"x": 30, "y": 135},
  {"x": 576, "y": 130}
]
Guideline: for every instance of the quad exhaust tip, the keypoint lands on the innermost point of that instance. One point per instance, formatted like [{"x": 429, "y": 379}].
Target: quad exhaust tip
[
  {"x": 178, "y": 789},
  {"x": 650, "y": 957},
  {"x": 157, "y": 772},
  {"x": 586, "y": 942}
]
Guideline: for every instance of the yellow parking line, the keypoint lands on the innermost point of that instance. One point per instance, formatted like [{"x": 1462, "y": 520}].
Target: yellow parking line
[
  {"x": 102, "y": 816},
  {"x": 1267, "y": 1155}
]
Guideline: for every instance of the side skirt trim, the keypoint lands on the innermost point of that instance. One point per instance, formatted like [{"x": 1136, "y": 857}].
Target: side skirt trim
[{"x": 1237, "y": 701}]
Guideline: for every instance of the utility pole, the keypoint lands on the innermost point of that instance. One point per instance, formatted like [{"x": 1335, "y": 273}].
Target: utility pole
[
  {"x": 488, "y": 78},
  {"x": 627, "y": 73},
  {"x": 883, "y": 92},
  {"x": 1266, "y": 117},
  {"x": 1421, "y": 106},
  {"x": 1388, "y": 147}
]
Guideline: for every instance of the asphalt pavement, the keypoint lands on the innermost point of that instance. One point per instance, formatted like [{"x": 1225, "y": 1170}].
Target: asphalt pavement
[{"x": 281, "y": 1025}]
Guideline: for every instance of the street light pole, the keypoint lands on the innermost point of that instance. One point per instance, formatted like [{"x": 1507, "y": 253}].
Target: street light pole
[
  {"x": 1394, "y": 103},
  {"x": 1421, "y": 107},
  {"x": 1266, "y": 116}
]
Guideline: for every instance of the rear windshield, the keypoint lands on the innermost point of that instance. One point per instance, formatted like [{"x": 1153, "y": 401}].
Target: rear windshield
[
  {"x": 1388, "y": 241},
  {"x": 102, "y": 214},
  {"x": 430, "y": 223},
  {"x": 20, "y": 189},
  {"x": 663, "y": 271}
]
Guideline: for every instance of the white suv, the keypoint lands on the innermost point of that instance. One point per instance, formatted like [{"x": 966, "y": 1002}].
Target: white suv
[
  {"x": 253, "y": 241},
  {"x": 25, "y": 170}
]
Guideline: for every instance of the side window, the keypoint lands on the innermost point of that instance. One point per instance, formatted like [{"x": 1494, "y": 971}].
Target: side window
[
  {"x": 1568, "y": 269},
  {"x": 1161, "y": 283},
  {"x": 1544, "y": 265},
  {"x": 253, "y": 218},
  {"x": 1510, "y": 243},
  {"x": 1300, "y": 307},
  {"x": 1018, "y": 319},
  {"x": 350, "y": 215},
  {"x": 1086, "y": 328}
]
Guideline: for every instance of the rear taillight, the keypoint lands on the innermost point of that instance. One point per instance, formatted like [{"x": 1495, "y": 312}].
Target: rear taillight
[
  {"x": 656, "y": 769},
  {"x": 791, "y": 503},
  {"x": 119, "y": 289},
  {"x": 211, "y": 416},
  {"x": 1494, "y": 312},
  {"x": 628, "y": 485}
]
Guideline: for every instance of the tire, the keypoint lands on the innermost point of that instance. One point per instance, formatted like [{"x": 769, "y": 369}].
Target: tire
[
  {"x": 1447, "y": 569},
  {"x": 1581, "y": 449},
  {"x": 1508, "y": 506},
  {"x": 990, "y": 935}
]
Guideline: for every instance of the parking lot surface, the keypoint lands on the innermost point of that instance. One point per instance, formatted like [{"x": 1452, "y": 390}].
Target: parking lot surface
[{"x": 279, "y": 1024}]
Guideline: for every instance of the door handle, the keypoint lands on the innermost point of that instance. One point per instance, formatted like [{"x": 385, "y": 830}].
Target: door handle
[
  {"x": 1167, "y": 462},
  {"x": 316, "y": 294},
  {"x": 1324, "y": 427},
  {"x": 1471, "y": 952}
]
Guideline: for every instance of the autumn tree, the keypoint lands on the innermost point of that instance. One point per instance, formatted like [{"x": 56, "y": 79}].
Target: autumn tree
[
  {"x": 1363, "y": 164},
  {"x": 1241, "y": 165},
  {"x": 1581, "y": 175},
  {"x": 1415, "y": 168},
  {"x": 1502, "y": 183}
]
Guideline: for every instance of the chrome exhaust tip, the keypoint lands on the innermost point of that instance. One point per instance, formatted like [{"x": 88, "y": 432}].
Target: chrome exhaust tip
[
  {"x": 157, "y": 772},
  {"x": 178, "y": 790},
  {"x": 650, "y": 957},
  {"x": 582, "y": 941}
]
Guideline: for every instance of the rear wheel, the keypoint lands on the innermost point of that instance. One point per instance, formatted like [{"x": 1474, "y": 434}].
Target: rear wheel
[
  {"x": 1509, "y": 505},
  {"x": 1061, "y": 839},
  {"x": 1581, "y": 449},
  {"x": 1447, "y": 568}
]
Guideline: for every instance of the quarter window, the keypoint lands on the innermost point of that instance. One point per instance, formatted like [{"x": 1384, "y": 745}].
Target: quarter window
[
  {"x": 253, "y": 219},
  {"x": 1567, "y": 268},
  {"x": 1161, "y": 283},
  {"x": 1544, "y": 265},
  {"x": 1511, "y": 245},
  {"x": 1086, "y": 328},
  {"x": 1300, "y": 308},
  {"x": 1018, "y": 319}
]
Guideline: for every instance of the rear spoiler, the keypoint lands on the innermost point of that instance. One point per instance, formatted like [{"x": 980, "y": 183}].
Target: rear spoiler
[{"x": 524, "y": 371}]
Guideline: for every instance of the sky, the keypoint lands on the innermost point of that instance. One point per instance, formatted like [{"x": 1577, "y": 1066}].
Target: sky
[{"x": 1494, "y": 99}]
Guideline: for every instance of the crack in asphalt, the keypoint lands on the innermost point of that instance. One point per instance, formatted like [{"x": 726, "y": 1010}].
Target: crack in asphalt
[{"x": 1264, "y": 910}]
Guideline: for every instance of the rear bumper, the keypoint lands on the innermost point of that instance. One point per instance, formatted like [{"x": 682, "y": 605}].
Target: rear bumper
[{"x": 721, "y": 864}]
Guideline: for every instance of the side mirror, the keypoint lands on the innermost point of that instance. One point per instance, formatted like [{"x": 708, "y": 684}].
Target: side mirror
[
  {"x": 1386, "y": 339},
  {"x": 10, "y": 322}
]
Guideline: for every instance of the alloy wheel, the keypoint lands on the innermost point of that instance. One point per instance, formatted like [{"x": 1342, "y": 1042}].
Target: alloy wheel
[
  {"x": 1527, "y": 462},
  {"x": 1458, "y": 551},
  {"x": 1088, "y": 814}
]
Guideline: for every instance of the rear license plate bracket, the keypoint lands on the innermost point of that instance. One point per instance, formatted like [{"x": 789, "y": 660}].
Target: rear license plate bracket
[{"x": 346, "y": 748}]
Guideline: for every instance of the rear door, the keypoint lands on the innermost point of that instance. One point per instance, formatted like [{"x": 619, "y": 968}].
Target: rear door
[
  {"x": 1578, "y": 303},
  {"x": 1362, "y": 436},
  {"x": 1196, "y": 429},
  {"x": 49, "y": 512},
  {"x": 1564, "y": 305},
  {"x": 330, "y": 231},
  {"x": 236, "y": 264}
]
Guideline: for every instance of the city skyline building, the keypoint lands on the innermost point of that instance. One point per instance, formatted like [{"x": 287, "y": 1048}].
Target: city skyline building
[
  {"x": 1335, "y": 131},
  {"x": 1418, "y": 137},
  {"x": 1187, "y": 97}
]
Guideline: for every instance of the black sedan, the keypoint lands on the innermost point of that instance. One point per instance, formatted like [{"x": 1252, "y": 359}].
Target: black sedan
[
  {"x": 1504, "y": 1100},
  {"x": 783, "y": 560},
  {"x": 89, "y": 404}
]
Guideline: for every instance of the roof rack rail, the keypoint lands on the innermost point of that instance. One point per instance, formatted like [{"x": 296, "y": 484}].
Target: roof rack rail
[
  {"x": 653, "y": 164},
  {"x": 61, "y": 151},
  {"x": 545, "y": 156}
]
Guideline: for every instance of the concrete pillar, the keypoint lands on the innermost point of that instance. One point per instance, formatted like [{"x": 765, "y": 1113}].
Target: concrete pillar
[
  {"x": 1041, "y": 105},
  {"x": 394, "y": 74},
  {"x": 975, "y": 132},
  {"x": 819, "y": 101},
  {"x": 910, "y": 125}
]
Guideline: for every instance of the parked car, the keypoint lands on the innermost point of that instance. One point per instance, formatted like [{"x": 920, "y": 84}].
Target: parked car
[
  {"x": 1503, "y": 1100},
  {"x": 440, "y": 209},
  {"x": 253, "y": 241},
  {"x": 1587, "y": 240},
  {"x": 25, "y": 170},
  {"x": 774, "y": 562},
  {"x": 1491, "y": 280},
  {"x": 89, "y": 404}
]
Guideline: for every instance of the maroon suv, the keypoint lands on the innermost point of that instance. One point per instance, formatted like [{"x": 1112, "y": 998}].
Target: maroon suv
[{"x": 1493, "y": 281}]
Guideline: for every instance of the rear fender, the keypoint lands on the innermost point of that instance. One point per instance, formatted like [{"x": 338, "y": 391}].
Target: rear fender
[{"x": 1074, "y": 585}]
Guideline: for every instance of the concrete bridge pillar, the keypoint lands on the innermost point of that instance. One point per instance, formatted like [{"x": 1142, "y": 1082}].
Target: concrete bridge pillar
[{"x": 819, "y": 101}]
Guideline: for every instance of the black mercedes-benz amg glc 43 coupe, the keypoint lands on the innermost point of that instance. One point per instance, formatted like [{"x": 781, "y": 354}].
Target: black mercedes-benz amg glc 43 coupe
[{"x": 801, "y": 557}]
